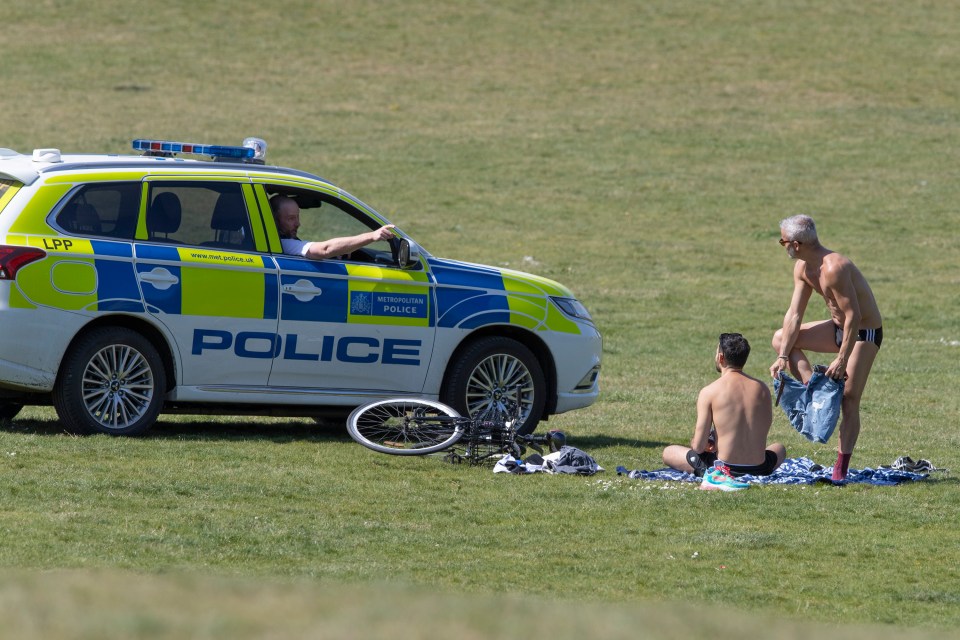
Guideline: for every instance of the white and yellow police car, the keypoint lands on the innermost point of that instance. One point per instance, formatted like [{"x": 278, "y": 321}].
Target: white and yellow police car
[{"x": 153, "y": 282}]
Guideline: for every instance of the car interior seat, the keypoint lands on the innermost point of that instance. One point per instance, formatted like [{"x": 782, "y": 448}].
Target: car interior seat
[
  {"x": 164, "y": 217},
  {"x": 88, "y": 220},
  {"x": 229, "y": 223},
  {"x": 78, "y": 217}
]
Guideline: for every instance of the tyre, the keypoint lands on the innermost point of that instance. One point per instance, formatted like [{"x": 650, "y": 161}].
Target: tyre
[
  {"x": 9, "y": 410},
  {"x": 405, "y": 426},
  {"x": 111, "y": 381},
  {"x": 493, "y": 374}
]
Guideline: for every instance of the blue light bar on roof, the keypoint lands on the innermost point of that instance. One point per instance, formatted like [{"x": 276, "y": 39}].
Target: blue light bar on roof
[{"x": 164, "y": 147}]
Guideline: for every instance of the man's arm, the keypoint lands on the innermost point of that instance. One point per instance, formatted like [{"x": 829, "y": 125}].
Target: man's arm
[
  {"x": 340, "y": 246},
  {"x": 701, "y": 432},
  {"x": 839, "y": 286},
  {"x": 792, "y": 319}
]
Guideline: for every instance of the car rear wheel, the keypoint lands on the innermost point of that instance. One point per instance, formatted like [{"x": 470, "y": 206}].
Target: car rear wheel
[
  {"x": 111, "y": 381},
  {"x": 491, "y": 374}
]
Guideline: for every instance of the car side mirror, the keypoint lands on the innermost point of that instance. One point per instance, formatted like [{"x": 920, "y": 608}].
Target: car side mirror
[{"x": 408, "y": 254}]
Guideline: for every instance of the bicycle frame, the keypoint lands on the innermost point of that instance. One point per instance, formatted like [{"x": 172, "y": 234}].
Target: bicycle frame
[{"x": 416, "y": 426}]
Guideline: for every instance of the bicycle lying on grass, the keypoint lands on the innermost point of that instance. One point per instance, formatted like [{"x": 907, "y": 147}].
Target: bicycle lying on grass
[{"x": 416, "y": 427}]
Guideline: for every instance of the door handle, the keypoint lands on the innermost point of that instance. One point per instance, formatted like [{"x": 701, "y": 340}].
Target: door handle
[
  {"x": 303, "y": 290},
  {"x": 159, "y": 278}
]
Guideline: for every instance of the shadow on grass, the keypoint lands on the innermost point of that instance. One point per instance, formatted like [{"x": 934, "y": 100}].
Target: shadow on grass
[
  {"x": 277, "y": 430},
  {"x": 598, "y": 440},
  {"x": 198, "y": 428},
  {"x": 246, "y": 429},
  {"x": 37, "y": 427}
]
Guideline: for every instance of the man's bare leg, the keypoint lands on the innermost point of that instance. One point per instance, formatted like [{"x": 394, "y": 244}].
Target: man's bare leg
[
  {"x": 675, "y": 457},
  {"x": 821, "y": 338},
  {"x": 780, "y": 450},
  {"x": 858, "y": 370},
  {"x": 814, "y": 336}
]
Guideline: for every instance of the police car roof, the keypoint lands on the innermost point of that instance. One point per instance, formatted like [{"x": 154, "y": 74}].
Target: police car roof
[
  {"x": 18, "y": 166},
  {"x": 27, "y": 169}
]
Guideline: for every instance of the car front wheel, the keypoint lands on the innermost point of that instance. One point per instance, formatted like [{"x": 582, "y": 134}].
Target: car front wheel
[
  {"x": 493, "y": 374},
  {"x": 111, "y": 381}
]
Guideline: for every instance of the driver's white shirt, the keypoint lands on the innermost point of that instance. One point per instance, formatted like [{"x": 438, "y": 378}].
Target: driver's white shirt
[{"x": 294, "y": 246}]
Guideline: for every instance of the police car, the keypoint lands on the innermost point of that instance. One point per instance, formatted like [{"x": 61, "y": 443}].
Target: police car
[{"x": 153, "y": 282}]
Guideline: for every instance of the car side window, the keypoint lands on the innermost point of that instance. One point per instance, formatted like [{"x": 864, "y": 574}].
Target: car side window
[
  {"x": 108, "y": 210},
  {"x": 329, "y": 221},
  {"x": 205, "y": 214},
  {"x": 323, "y": 216}
]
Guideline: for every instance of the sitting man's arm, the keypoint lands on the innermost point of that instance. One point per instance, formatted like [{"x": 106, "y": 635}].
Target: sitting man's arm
[
  {"x": 341, "y": 246},
  {"x": 701, "y": 433}
]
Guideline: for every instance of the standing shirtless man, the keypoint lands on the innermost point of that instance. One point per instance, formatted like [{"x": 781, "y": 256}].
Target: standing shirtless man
[
  {"x": 738, "y": 409},
  {"x": 854, "y": 331}
]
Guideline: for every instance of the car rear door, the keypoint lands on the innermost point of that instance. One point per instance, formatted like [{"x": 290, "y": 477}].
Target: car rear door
[{"x": 202, "y": 276}]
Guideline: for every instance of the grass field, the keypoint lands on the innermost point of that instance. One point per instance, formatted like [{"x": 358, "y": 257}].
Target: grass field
[{"x": 641, "y": 153}]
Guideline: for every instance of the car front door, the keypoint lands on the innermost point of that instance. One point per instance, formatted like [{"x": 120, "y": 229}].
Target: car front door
[{"x": 350, "y": 325}]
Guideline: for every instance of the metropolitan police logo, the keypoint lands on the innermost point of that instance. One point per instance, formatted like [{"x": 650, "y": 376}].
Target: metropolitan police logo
[
  {"x": 361, "y": 303},
  {"x": 386, "y": 305}
]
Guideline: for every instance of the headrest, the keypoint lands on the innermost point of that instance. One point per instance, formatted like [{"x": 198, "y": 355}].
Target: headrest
[
  {"x": 165, "y": 213},
  {"x": 230, "y": 213}
]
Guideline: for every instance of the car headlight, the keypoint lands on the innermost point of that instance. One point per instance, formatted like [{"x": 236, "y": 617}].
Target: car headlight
[{"x": 572, "y": 307}]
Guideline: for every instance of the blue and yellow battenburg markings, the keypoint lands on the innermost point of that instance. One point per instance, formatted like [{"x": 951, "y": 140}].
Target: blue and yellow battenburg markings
[
  {"x": 327, "y": 277},
  {"x": 389, "y": 297},
  {"x": 100, "y": 278},
  {"x": 117, "y": 287},
  {"x": 202, "y": 289},
  {"x": 355, "y": 294},
  {"x": 475, "y": 296},
  {"x": 87, "y": 275}
]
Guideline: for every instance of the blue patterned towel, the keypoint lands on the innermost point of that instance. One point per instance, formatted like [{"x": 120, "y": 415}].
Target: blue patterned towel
[{"x": 792, "y": 471}]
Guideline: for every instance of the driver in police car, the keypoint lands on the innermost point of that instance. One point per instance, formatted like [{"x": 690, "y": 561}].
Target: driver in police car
[{"x": 286, "y": 213}]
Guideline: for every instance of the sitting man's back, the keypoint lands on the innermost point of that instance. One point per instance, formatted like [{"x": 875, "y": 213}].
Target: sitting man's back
[
  {"x": 737, "y": 412},
  {"x": 742, "y": 414}
]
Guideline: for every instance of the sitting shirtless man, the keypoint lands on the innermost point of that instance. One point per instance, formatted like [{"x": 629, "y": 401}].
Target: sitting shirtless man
[{"x": 739, "y": 409}]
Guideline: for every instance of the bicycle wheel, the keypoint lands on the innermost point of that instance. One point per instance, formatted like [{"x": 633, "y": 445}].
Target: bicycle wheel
[{"x": 405, "y": 426}]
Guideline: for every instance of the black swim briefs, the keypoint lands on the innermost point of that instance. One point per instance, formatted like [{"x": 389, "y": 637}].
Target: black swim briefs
[
  {"x": 764, "y": 469},
  {"x": 702, "y": 462},
  {"x": 864, "y": 335}
]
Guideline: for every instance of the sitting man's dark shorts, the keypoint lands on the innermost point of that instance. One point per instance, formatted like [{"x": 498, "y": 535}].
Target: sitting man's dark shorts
[{"x": 702, "y": 462}]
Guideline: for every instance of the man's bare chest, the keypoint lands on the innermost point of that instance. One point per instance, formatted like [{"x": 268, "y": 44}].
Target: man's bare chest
[{"x": 812, "y": 278}]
